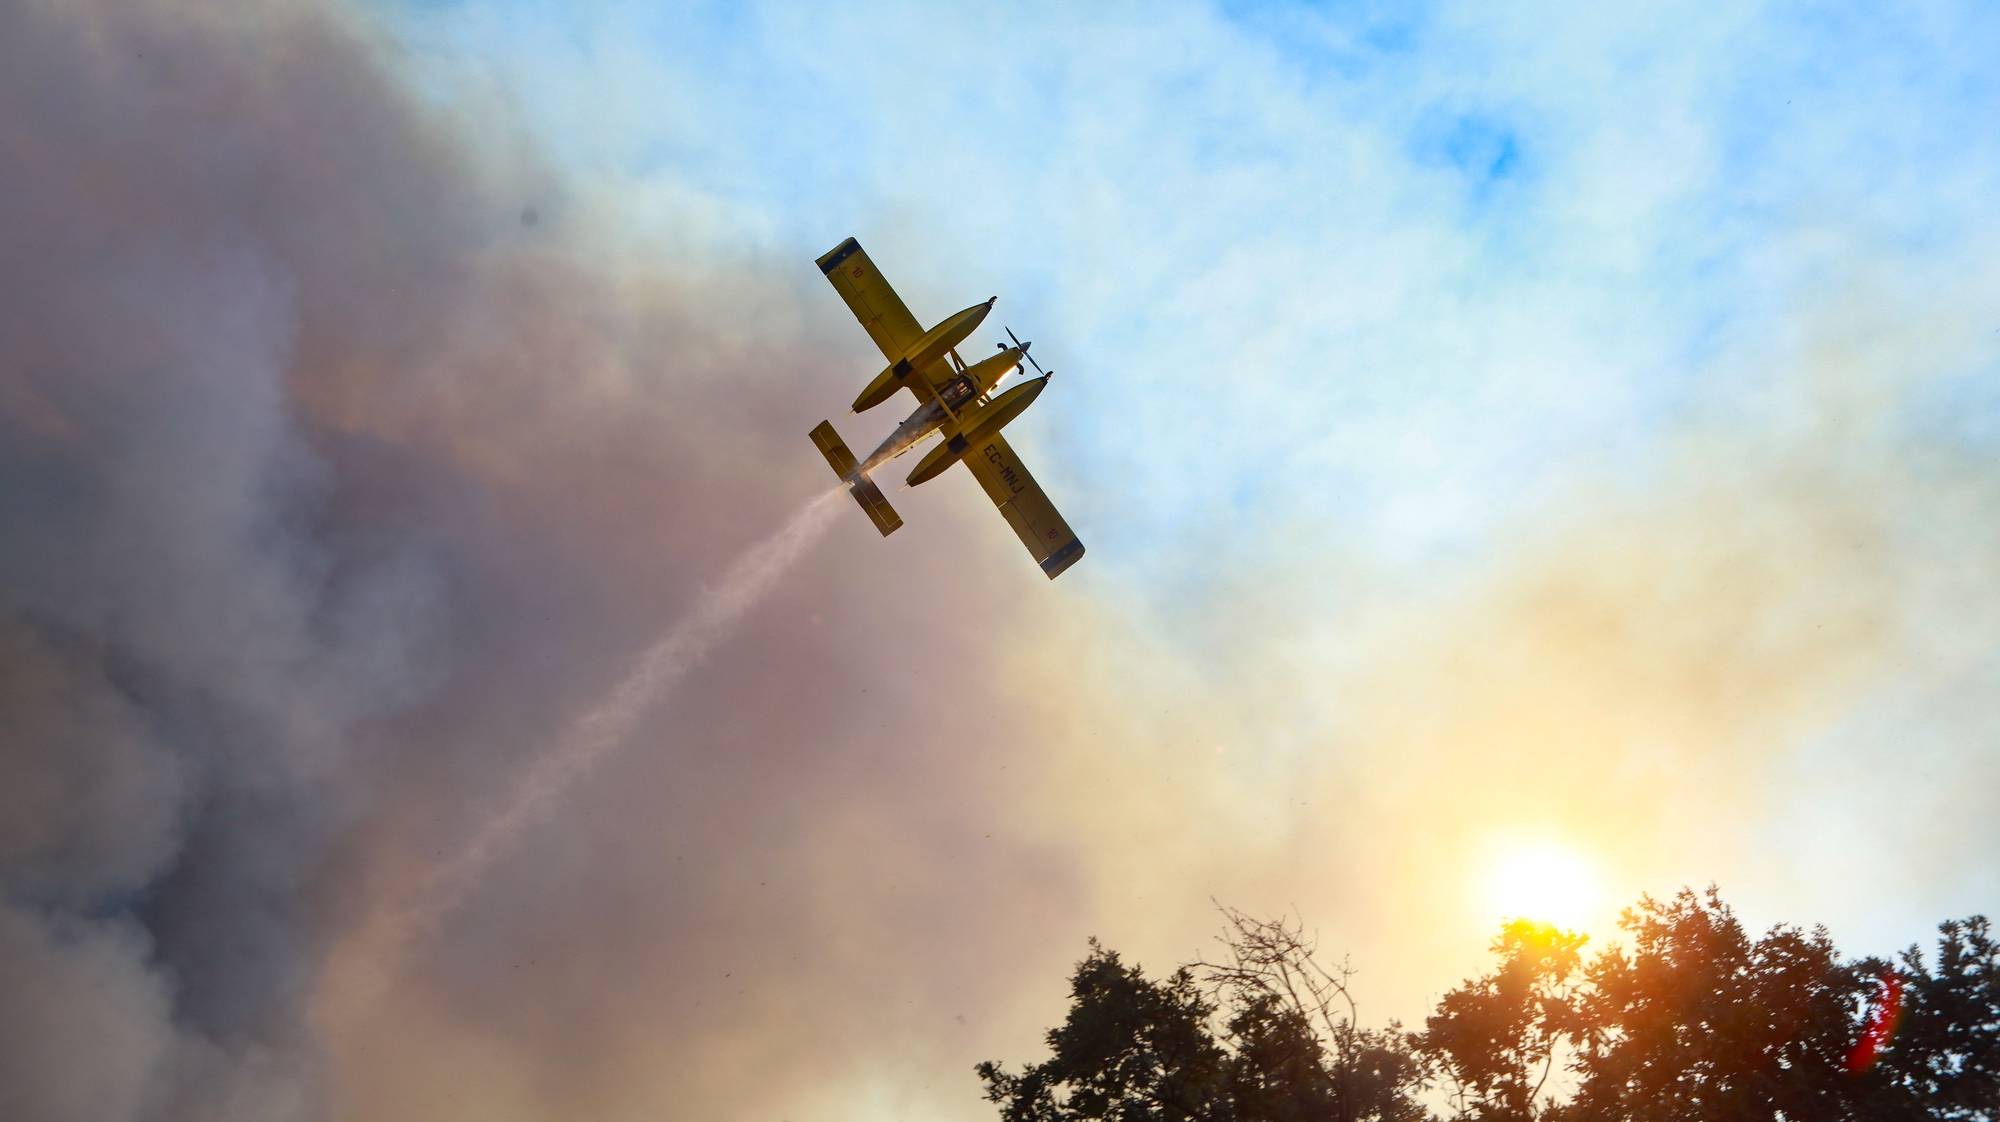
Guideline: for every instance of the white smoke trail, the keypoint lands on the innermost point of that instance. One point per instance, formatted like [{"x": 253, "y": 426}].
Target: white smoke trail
[
  {"x": 608, "y": 723},
  {"x": 604, "y": 727}
]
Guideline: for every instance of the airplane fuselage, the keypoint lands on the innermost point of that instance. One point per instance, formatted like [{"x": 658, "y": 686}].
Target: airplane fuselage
[
  {"x": 925, "y": 421},
  {"x": 955, "y": 397}
]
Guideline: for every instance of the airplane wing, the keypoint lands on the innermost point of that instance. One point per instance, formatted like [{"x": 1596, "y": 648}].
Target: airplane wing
[
  {"x": 1024, "y": 504},
  {"x": 868, "y": 295}
]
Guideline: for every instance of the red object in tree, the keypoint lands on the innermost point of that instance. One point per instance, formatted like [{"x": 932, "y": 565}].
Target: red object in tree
[{"x": 1883, "y": 1013}]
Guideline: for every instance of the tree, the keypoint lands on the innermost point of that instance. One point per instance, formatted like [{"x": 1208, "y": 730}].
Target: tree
[
  {"x": 1694, "y": 1021},
  {"x": 1497, "y": 1038},
  {"x": 1267, "y": 1035},
  {"x": 1943, "y": 1050},
  {"x": 1298, "y": 1051},
  {"x": 1699, "y": 1022},
  {"x": 1131, "y": 1050}
]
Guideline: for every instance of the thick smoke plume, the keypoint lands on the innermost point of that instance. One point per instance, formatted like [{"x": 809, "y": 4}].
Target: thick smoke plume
[
  {"x": 332, "y": 490},
  {"x": 607, "y": 725}
]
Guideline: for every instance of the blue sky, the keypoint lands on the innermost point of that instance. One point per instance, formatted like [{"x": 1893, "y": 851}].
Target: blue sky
[{"x": 1332, "y": 215}]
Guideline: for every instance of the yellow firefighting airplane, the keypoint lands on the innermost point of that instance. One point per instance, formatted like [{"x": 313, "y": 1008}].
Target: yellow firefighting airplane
[{"x": 953, "y": 399}]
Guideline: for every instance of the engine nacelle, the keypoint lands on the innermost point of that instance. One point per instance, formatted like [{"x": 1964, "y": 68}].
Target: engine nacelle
[
  {"x": 975, "y": 427},
  {"x": 880, "y": 390},
  {"x": 926, "y": 350}
]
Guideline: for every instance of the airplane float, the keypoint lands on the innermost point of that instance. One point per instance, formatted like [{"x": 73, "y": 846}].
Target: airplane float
[{"x": 954, "y": 400}]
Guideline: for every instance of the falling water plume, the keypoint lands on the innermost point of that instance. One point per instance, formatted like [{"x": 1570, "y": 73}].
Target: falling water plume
[{"x": 605, "y": 726}]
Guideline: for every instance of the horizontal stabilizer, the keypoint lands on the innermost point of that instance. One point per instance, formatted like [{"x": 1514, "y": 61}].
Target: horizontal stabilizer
[
  {"x": 834, "y": 449},
  {"x": 879, "y": 511},
  {"x": 860, "y": 486}
]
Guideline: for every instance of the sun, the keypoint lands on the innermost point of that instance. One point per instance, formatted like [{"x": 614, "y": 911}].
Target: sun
[{"x": 1544, "y": 882}]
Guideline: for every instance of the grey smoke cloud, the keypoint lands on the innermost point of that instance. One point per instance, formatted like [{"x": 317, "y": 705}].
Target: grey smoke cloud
[
  {"x": 192, "y": 629},
  {"x": 333, "y": 495}
]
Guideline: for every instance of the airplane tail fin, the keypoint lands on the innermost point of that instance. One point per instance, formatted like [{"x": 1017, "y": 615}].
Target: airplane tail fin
[
  {"x": 860, "y": 486},
  {"x": 879, "y": 511}
]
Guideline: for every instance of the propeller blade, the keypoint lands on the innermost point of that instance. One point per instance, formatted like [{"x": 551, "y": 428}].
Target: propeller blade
[{"x": 1024, "y": 353}]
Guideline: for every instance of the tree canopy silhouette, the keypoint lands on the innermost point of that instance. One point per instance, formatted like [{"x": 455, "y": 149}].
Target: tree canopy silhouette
[
  {"x": 1688, "y": 1018},
  {"x": 1132, "y": 1049}
]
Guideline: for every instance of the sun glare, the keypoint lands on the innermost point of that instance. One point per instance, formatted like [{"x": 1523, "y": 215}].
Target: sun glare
[{"x": 1543, "y": 882}]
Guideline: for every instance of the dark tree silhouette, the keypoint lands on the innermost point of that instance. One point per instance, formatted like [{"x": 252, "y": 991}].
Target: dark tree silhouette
[
  {"x": 1697, "y": 1021},
  {"x": 1692, "y": 1019},
  {"x": 1267, "y": 1035},
  {"x": 1943, "y": 1059},
  {"x": 1297, "y": 1048},
  {"x": 1496, "y": 1040},
  {"x": 1132, "y": 1050}
]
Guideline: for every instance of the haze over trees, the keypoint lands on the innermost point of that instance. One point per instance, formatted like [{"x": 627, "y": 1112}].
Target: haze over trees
[{"x": 1688, "y": 1017}]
